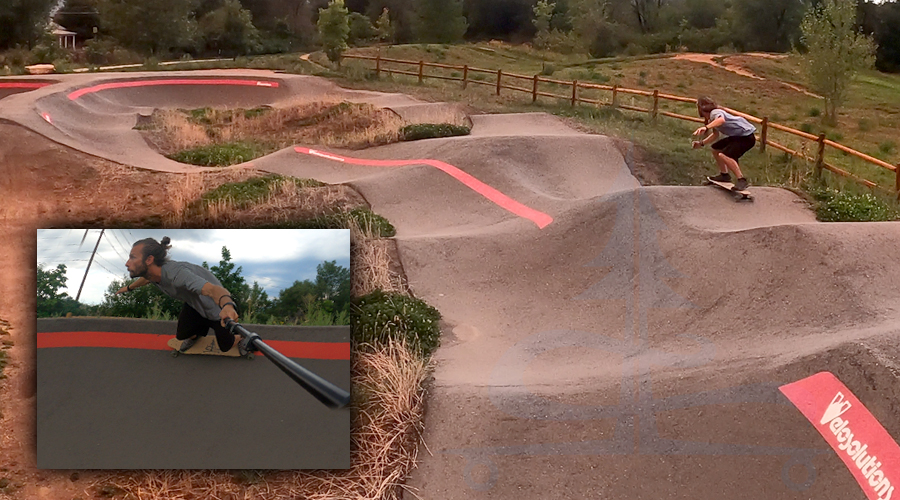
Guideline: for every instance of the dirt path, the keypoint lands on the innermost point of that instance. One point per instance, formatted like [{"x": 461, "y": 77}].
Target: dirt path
[{"x": 737, "y": 69}]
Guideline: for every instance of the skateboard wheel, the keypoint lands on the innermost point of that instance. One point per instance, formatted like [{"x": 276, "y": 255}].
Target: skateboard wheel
[{"x": 175, "y": 354}]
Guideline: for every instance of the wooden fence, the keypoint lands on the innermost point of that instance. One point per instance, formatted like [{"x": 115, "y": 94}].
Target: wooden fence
[{"x": 498, "y": 79}]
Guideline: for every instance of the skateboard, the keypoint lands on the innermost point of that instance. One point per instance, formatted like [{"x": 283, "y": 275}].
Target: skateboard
[
  {"x": 738, "y": 195},
  {"x": 206, "y": 345}
]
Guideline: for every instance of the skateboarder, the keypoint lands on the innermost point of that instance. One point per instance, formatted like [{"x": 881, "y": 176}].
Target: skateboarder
[
  {"x": 206, "y": 303},
  {"x": 738, "y": 140}
]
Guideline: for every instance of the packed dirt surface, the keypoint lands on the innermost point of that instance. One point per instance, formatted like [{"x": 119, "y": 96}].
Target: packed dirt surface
[
  {"x": 603, "y": 338},
  {"x": 733, "y": 64}
]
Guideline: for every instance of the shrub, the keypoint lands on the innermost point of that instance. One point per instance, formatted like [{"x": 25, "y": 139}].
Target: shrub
[
  {"x": 815, "y": 112},
  {"x": 432, "y": 130},
  {"x": 887, "y": 146},
  {"x": 251, "y": 191},
  {"x": 844, "y": 206},
  {"x": 806, "y": 127},
  {"x": 220, "y": 155},
  {"x": 379, "y": 317}
]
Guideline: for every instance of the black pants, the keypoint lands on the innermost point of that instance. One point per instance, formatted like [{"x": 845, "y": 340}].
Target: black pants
[{"x": 191, "y": 323}]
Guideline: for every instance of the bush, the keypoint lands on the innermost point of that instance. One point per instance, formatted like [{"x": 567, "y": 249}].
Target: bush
[
  {"x": 220, "y": 155},
  {"x": 106, "y": 51},
  {"x": 843, "y": 206},
  {"x": 251, "y": 191},
  {"x": 432, "y": 130},
  {"x": 815, "y": 112},
  {"x": 378, "y": 317},
  {"x": 887, "y": 146}
]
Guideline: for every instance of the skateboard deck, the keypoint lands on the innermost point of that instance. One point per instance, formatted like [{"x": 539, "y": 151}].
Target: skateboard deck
[
  {"x": 206, "y": 345},
  {"x": 738, "y": 195}
]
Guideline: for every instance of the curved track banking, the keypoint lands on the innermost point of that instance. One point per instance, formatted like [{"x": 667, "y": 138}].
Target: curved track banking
[{"x": 631, "y": 348}]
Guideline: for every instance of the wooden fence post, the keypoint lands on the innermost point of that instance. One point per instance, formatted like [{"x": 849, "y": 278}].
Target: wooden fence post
[
  {"x": 465, "y": 76},
  {"x": 655, "y": 105},
  {"x": 615, "y": 97},
  {"x": 534, "y": 90},
  {"x": 574, "y": 92},
  {"x": 377, "y": 66},
  {"x": 499, "y": 76},
  {"x": 764, "y": 134},
  {"x": 820, "y": 156},
  {"x": 421, "y": 70},
  {"x": 897, "y": 171}
]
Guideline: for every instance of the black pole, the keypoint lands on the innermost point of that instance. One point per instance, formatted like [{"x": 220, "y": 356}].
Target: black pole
[
  {"x": 329, "y": 394},
  {"x": 89, "y": 263}
]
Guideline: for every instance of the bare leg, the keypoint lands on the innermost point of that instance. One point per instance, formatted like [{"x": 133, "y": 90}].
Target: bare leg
[
  {"x": 725, "y": 162},
  {"x": 723, "y": 168}
]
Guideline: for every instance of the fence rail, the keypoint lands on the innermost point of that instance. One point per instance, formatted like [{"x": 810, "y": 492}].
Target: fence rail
[{"x": 574, "y": 98}]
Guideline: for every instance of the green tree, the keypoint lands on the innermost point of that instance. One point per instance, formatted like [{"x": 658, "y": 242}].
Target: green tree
[
  {"x": 50, "y": 302},
  {"x": 770, "y": 25},
  {"x": 361, "y": 29},
  {"x": 152, "y": 27},
  {"x": 231, "y": 279},
  {"x": 440, "y": 21},
  {"x": 292, "y": 302},
  {"x": 383, "y": 27},
  {"x": 23, "y": 21},
  {"x": 144, "y": 302},
  {"x": 80, "y": 16},
  {"x": 258, "y": 308},
  {"x": 543, "y": 14},
  {"x": 835, "y": 51},
  {"x": 333, "y": 283},
  {"x": 229, "y": 30},
  {"x": 334, "y": 29}
]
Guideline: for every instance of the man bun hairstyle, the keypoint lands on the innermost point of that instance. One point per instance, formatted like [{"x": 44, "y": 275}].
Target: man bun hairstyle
[
  {"x": 705, "y": 105},
  {"x": 158, "y": 249}
]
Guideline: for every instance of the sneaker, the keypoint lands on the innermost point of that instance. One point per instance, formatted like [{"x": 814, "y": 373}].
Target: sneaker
[
  {"x": 187, "y": 344},
  {"x": 741, "y": 184},
  {"x": 723, "y": 177}
]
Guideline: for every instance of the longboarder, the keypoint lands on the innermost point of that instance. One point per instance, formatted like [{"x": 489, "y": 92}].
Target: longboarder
[
  {"x": 739, "y": 138},
  {"x": 207, "y": 304}
]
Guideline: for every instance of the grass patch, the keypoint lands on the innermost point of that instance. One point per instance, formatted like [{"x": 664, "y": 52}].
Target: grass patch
[
  {"x": 832, "y": 205},
  {"x": 252, "y": 191},
  {"x": 379, "y": 318},
  {"x": 418, "y": 131},
  {"x": 221, "y": 155}
]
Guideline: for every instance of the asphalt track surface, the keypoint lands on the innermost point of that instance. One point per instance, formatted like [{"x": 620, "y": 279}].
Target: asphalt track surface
[
  {"x": 111, "y": 396},
  {"x": 611, "y": 341}
]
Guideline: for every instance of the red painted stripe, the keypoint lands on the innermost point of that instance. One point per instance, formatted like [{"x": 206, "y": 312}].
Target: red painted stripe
[
  {"x": 864, "y": 445},
  {"x": 118, "y": 340},
  {"x": 152, "y": 83},
  {"x": 498, "y": 198},
  {"x": 23, "y": 85}
]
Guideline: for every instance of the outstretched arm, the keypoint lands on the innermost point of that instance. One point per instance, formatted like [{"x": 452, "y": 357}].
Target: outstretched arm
[
  {"x": 223, "y": 299},
  {"x": 134, "y": 284}
]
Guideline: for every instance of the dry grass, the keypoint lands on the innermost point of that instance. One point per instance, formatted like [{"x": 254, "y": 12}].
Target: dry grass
[
  {"x": 387, "y": 425},
  {"x": 371, "y": 260},
  {"x": 322, "y": 123}
]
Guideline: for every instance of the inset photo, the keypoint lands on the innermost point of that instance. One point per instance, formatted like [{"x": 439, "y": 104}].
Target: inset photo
[{"x": 193, "y": 349}]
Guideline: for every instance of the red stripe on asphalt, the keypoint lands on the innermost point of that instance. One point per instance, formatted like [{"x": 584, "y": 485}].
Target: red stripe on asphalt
[
  {"x": 118, "y": 340},
  {"x": 498, "y": 198},
  {"x": 864, "y": 445},
  {"x": 151, "y": 83},
  {"x": 22, "y": 85}
]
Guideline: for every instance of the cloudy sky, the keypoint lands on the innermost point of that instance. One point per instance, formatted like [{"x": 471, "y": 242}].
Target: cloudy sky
[{"x": 274, "y": 258}]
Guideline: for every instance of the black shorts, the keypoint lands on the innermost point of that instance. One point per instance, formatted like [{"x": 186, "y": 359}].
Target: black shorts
[
  {"x": 191, "y": 323},
  {"x": 735, "y": 147}
]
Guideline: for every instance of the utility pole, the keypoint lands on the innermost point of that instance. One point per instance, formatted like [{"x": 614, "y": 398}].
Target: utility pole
[{"x": 89, "y": 264}]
